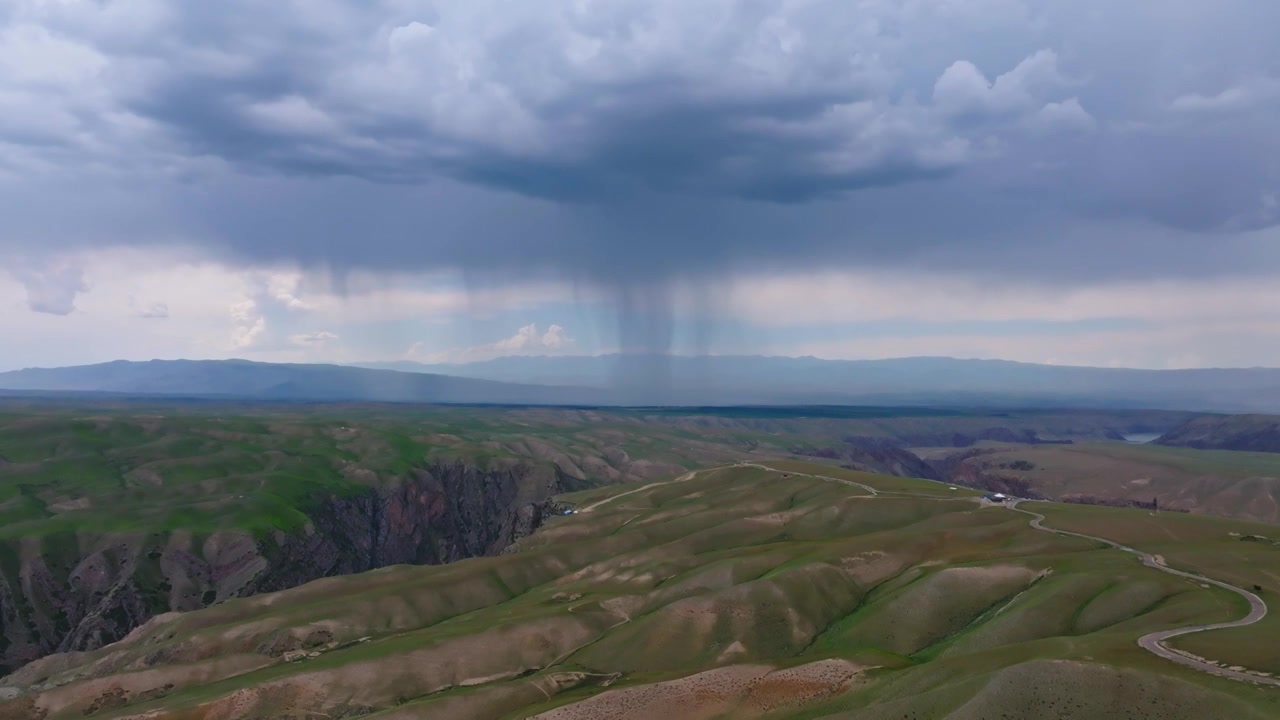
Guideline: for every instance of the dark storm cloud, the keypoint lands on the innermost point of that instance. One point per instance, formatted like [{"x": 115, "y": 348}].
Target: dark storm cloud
[
  {"x": 509, "y": 103},
  {"x": 634, "y": 144}
]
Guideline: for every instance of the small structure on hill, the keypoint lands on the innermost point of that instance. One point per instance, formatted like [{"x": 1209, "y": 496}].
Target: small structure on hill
[{"x": 997, "y": 497}]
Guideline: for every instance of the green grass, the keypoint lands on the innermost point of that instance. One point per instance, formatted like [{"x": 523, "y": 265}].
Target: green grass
[
  {"x": 1231, "y": 484},
  {"x": 742, "y": 565},
  {"x": 134, "y": 458},
  {"x": 737, "y": 565},
  {"x": 108, "y": 470},
  {"x": 1226, "y": 463},
  {"x": 1207, "y": 545}
]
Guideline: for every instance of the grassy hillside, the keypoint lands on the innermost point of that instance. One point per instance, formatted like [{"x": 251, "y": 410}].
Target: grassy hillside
[
  {"x": 1245, "y": 485},
  {"x": 787, "y": 591},
  {"x": 117, "y": 510},
  {"x": 113, "y": 512},
  {"x": 1245, "y": 554},
  {"x": 202, "y": 466},
  {"x": 198, "y": 469},
  {"x": 916, "y": 426}
]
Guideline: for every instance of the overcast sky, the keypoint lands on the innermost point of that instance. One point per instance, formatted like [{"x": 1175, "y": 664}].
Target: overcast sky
[{"x": 1067, "y": 181}]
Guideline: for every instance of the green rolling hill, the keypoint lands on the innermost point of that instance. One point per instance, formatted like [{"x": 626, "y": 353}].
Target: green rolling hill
[{"x": 779, "y": 590}]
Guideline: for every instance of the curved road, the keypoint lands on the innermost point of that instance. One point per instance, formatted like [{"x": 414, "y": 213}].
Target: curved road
[
  {"x": 690, "y": 475},
  {"x": 642, "y": 488},
  {"x": 1151, "y": 642},
  {"x": 828, "y": 478},
  {"x": 1154, "y": 642}
]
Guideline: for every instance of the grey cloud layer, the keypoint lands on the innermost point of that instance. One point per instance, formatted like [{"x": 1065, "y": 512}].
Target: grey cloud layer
[{"x": 632, "y": 142}]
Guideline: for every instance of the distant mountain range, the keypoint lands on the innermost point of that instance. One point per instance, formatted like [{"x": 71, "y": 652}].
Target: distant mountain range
[
  {"x": 648, "y": 380},
  {"x": 900, "y": 381},
  {"x": 243, "y": 379}
]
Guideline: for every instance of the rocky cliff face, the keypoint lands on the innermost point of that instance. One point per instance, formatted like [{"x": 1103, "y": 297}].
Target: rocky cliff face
[
  {"x": 1254, "y": 433},
  {"x": 962, "y": 440},
  {"x": 883, "y": 459},
  {"x": 73, "y": 592},
  {"x": 972, "y": 469}
]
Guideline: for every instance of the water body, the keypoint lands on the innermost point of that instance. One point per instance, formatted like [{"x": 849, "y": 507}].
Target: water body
[{"x": 1141, "y": 438}]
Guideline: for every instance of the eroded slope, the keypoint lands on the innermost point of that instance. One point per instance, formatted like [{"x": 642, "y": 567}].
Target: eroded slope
[{"x": 734, "y": 592}]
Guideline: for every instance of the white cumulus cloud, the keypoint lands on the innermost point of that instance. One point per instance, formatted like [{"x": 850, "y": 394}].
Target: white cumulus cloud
[
  {"x": 963, "y": 89},
  {"x": 150, "y": 311},
  {"x": 1235, "y": 98},
  {"x": 52, "y": 286},
  {"x": 249, "y": 324},
  {"x": 313, "y": 339},
  {"x": 528, "y": 340}
]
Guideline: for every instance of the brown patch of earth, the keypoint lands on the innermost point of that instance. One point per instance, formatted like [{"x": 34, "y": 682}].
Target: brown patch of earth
[
  {"x": 97, "y": 694},
  {"x": 737, "y": 691},
  {"x": 872, "y": 567},
  {"x": 502, "y": 653},
  {"x": 21, "y": 709}
]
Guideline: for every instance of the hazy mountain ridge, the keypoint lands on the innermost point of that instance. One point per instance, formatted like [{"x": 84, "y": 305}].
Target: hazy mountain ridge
[
  {"x": 677, "y": 380},
  {"x": 243, "y": 378},
  {"x": 899, "y": 381}
]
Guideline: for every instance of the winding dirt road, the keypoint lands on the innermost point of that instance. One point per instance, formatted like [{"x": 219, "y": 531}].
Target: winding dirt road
[
  {"x": 642, "y": 488},
  {"x": 1151, "y": 642},
  {"x": 828, "y": 478},
  {"x": 1154, "y": 642},
  {"x": 690, "y": 475}
]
